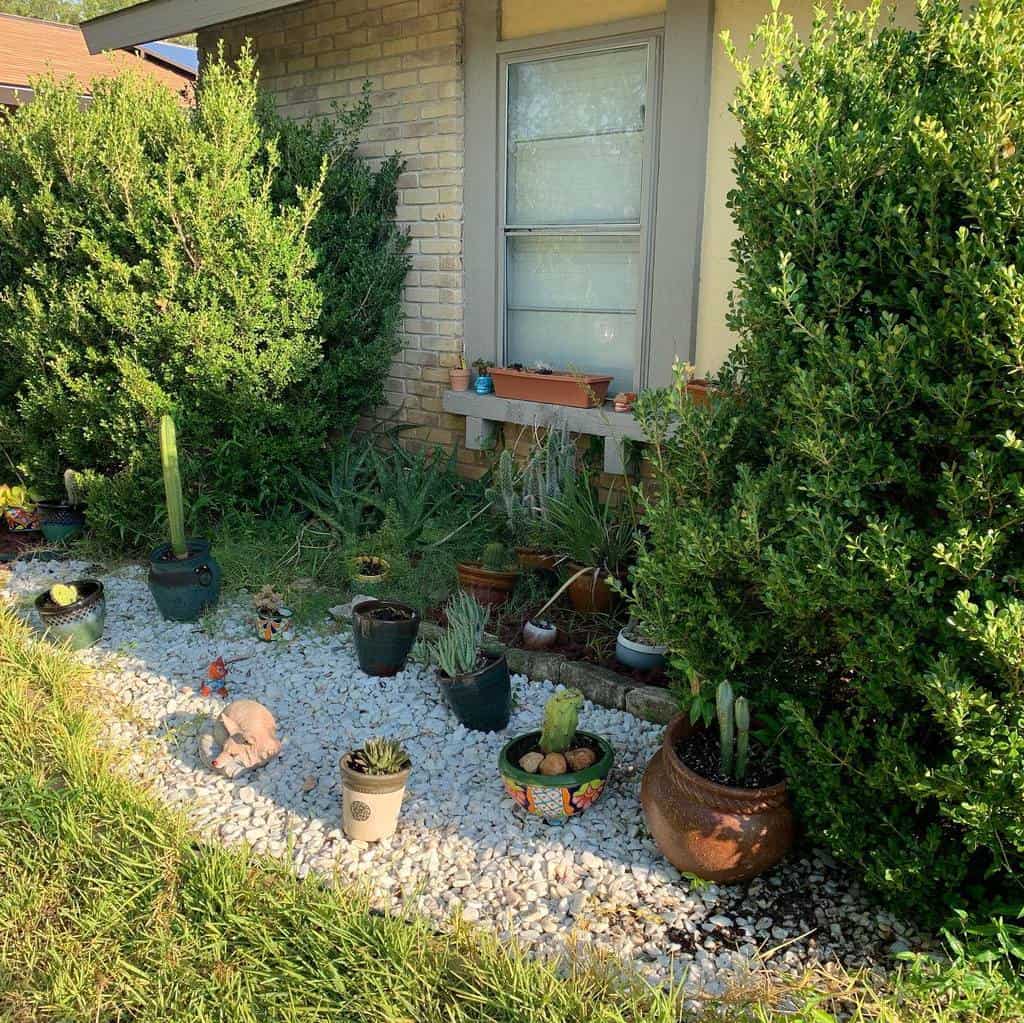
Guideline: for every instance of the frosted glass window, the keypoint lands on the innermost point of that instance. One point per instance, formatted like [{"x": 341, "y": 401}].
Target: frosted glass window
[
  {"x": 573, "y": 303},
  {"x": 576, "y": 145}
]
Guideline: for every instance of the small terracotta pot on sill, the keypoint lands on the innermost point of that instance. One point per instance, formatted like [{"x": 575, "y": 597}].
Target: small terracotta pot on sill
[
  {"x": 717, "y": 832},
  {"x": 699, "y": 391},
  {"x": 459, "y": 379}
]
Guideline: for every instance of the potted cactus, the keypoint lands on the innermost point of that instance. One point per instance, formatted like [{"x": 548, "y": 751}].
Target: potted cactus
[
  {"x": 559, "y": 771},
  {"x": 272, "y": 619},
  {"x": 73, "y": 612},
  {"x": 384, "y": 633},
  {"x": 492, "y": 579},
  {"x": 373, "y": 781},
  {"x": 63, "y": 519},
  {"x": 715, "y": 804},
  {"x": 474, "y": 684},
  {"x": 184, "y": 577}
]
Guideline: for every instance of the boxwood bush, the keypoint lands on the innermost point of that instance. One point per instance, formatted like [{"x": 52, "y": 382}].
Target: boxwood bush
[
  {"x": 214, "y": 263},
  {"x": 841, "y": 532}
]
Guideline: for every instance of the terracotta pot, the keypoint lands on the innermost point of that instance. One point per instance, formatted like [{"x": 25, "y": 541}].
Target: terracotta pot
[
  {"x": 699, "y": 391},
  {"x": 492, "y": 589},
  {"x": 533, "y": 560},
  {"x": 459, "y": 379},
  {"x": 370, "y": 803},
  {"x": 717, "y": 832},
  {"x": 574, "y": 390},
  {"x": 590, "y": 593}
]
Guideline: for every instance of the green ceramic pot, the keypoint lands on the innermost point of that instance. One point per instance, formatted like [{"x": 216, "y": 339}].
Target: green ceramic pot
[
  {"x": 556, "y": 797},
  {"x": 59, "y": 520},
  {"x": 481, "y": 700},
  {"x": 184, "y": 588},
  {"x": 80, "y": 623},
  {"x": 384, "y": 632}
]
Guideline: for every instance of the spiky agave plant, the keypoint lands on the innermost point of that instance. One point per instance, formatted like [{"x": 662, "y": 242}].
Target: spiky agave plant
[{"x": 380, "y": 757}]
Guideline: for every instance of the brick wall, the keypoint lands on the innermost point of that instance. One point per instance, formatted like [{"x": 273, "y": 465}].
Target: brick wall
[{"x": 317, "y": 53}]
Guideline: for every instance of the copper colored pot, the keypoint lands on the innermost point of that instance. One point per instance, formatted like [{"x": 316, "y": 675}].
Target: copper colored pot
[
  {"x": 590, "y": 593},
  {"x": 717, "y": 832},
  {"x": 492, "y": 589},
  {"x": 534, "y": 560}
]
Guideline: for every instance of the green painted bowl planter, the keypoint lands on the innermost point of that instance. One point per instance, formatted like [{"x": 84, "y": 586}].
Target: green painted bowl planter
[
  {"x": 81, "y": 623},
  {"x": 384, "y": 632},
  {"x": 59, "y": 520},
  {"x": 555, "y": 797},
  {"x": 184, "y": 588},
  {"x": 482, "y": 699}
]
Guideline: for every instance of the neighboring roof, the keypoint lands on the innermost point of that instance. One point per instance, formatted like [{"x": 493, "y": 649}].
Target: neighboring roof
[
  {"x": 30, "y": 47},
  {"x": 184, "y": 57},
  {"x": 161, "y": 19}
]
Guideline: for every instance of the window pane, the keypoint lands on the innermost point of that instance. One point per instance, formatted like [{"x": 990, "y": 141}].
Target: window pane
[
  {"x": 573, "y": 301},
  {"x": 576, "y": 138}
]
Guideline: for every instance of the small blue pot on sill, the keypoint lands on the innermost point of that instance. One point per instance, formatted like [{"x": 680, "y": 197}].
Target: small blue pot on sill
[{"x": 484, "y": 385}]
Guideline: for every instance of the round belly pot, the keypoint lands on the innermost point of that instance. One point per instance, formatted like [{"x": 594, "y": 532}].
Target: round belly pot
[
  {"x": 60, "y": 521},
  {"x": 184, "y": 588},
  {"x": 639, "y": 656},
  {"x": 370, "y": 803},
  {"x": 492, "y": 589},
  {"x": 717, "y": 832},
  {"x": 555, "y": 797},
  {"x": 384, "y": 632},
  {"x": 80, "y": 623},
  {"x": 481, "y": 700},
  {"x": 590, "y": 592}
]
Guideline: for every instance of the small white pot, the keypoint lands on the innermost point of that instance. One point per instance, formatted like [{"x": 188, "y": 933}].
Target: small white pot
[
  {"x": 370, "y": 803},
  {"x": 639, "y": 656},
  {"x": 539, "y": 636}
]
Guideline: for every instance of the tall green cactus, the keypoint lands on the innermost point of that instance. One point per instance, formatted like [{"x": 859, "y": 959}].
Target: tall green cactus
[
  {"x": 561, "y": 719},
  {"x": 71, "y": 488},
  {"x": 172, "y": 487},
  {"x": 742, "y": 737},
  {"x": 724, "y": 705}
]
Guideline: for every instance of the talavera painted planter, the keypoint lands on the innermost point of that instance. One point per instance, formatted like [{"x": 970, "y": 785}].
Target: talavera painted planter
[
  {"x": 80, "y": 623},
  {"x": 555, "y": 797},
  {"x": 717, "y": 832}
]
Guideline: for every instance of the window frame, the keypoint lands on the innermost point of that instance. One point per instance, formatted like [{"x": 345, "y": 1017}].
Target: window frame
[{"x": 652, "y": 40}]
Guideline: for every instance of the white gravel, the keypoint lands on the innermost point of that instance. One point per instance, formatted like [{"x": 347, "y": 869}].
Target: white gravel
[{"x": 461, "y": 843}]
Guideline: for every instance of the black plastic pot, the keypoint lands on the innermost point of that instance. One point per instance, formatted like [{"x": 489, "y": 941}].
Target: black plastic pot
[
  {"x": 184, "y": 588},
  {"x": 383, "y": 646},
  {"x": 59, "y": 520},
  {"x": 481, "y": 700}
]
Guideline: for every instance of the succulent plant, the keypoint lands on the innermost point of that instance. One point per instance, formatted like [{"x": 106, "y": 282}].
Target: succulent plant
[
  {"x": 172, "y": 487},
  {"x": 457, "y": 649},
  {"x": 742, "y": 737},
  {"x": 267, "y": 600},
  {"x": 733, "y": 731},
  {"x": 496, "y": 557},
  {"x": 380, "y": 757},
  {"x": 561, "y": 719},
  {"x": 63, "y": 595}
]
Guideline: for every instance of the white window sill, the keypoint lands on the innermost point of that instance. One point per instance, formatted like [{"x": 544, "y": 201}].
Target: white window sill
[{"x": 484, "y": 412}]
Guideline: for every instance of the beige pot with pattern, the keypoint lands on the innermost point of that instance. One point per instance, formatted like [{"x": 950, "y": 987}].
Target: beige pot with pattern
[{"x": 370, "y": 803}]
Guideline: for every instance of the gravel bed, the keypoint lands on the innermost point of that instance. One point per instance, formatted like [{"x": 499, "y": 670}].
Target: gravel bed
[{"x": 461, "y": 844}]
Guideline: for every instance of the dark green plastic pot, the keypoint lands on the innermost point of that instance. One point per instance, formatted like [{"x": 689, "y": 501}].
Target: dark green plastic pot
[
  {"x": 183, "y": 589},
  {"x": 382, "y": 646},
  {"x": 481, "y": 700},
  {"x": 80, "y": 623},
  {"x": 60, "y": 521}
]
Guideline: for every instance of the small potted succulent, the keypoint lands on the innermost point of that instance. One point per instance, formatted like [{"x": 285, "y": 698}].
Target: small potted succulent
[
  {"x": 184, "y": 577},
  {"x": 635, "y": 649},
  {"x": 272, "y": 619},
  {"x": 539, "y": 634},
  {"x": 384, "y": 633},
  {"x": 459, "y": 376},
  {"x": 484, "y": 384},
  {"x": 63, "y": 519},
  {"x": 73, "y": 612},
  {"x": 475, "y": 685},
  {"x": 558, "y": 772},
  {"x": 373, "y": 781},
  {"x": 492, "y": 579},
  {"x": 368, "y": 568},
  {"x": 716, "y": 805}
]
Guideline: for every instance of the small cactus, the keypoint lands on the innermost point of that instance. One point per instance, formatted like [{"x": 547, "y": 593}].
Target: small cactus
[
  {"x": 725, "y": 708},
  {"x": 561, "y": 719},
  {"x": 380, "y": 757},
  {"x": 742, "y": 737},
  {"x": 63, "y": 595},
  {"x": 72, "y": 488},
  {"x": 496, "y": 557},
  {"x": 172, "y": 487}
]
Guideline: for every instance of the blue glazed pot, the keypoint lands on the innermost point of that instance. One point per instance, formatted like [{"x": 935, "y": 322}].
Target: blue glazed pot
[
  {"x": 60, "y": 521},
  {"x": 184, "y": 588},
  {"x": 484, "y": 385}
]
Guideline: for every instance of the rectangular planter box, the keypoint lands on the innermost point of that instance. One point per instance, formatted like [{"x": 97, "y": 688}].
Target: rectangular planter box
[{"x": 576, "y": 391}]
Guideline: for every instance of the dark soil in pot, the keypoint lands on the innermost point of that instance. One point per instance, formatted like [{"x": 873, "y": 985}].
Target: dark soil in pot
[
  {"x": 700, "y": 753},
  {"x": 384, "y": 632}
]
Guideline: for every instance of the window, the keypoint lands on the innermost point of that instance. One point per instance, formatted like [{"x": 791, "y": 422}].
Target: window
[{"x": 575, "y": 208}]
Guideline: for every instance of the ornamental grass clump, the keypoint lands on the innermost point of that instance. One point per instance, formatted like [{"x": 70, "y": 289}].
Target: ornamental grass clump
[{"x": 840, "y": 525}]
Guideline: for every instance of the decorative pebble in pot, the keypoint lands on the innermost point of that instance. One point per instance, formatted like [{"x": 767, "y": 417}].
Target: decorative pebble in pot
[
  {"x": 73, "y": 612},
  {"x": 184, "y": 577}
]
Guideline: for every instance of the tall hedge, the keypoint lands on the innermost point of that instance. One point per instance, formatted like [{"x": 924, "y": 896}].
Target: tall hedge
[
  {"x": 156, "y": 258},
  {"x": 841, "y": 532}
]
